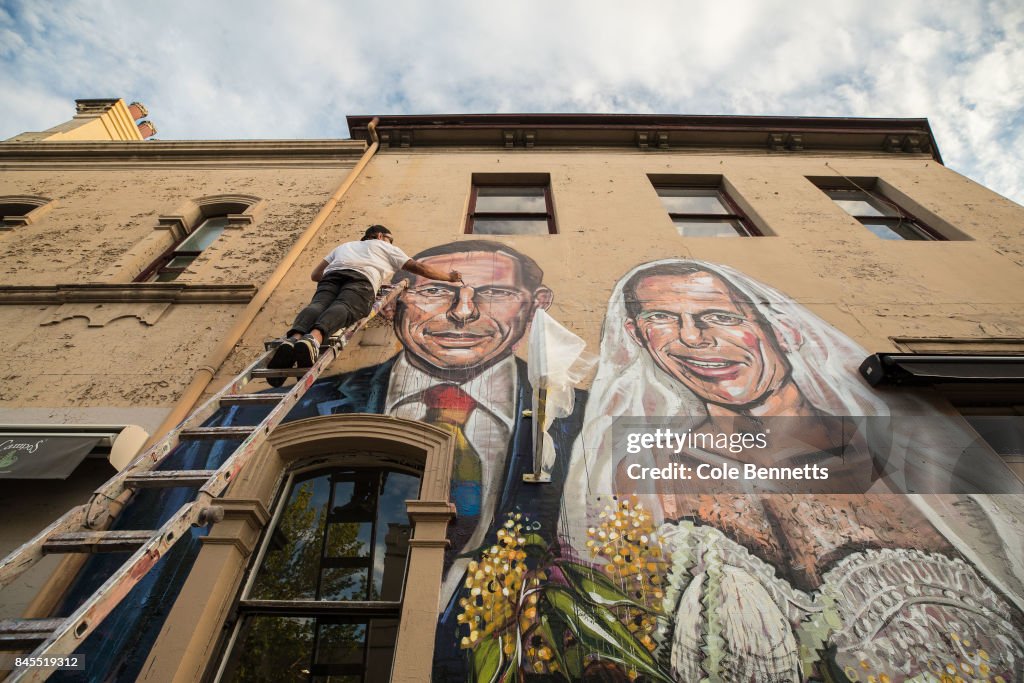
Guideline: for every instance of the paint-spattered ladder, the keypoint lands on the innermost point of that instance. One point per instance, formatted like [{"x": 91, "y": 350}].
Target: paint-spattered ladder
[{"x": 80, "y": 530}]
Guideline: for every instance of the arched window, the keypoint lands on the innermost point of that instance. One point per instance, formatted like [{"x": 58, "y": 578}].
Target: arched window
[
  {"x": 198, "y": 225},
  {"x": 22, "y": 210},
  {"x": 173, "y": 262},
  {"x": 324, "y": 598}
]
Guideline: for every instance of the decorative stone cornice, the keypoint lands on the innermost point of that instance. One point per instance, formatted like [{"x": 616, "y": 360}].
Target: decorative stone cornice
[
  {"x": 142, "y": 292},
  {"x": 653, "y": 132},
  {"x": 430, "y": 510},
  {"x": 206, "y": 153},
  {"x": 250, "y": 513},
  {"x": 424, "y": 446}
]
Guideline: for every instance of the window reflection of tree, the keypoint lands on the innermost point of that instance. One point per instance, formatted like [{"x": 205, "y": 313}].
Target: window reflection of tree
[{"x": 340, "y": 547}]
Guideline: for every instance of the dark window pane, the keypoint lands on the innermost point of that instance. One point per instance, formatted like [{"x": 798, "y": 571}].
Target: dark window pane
[
  {"x": 180, "y": 262},
  {"x": 346, "y": 583},
  {"x": 691, "y": 200},
  {"x": 15, "y": 209},
  {"x": 857, "y": 203},
  {"x": 510, "y": 200},
  {"x": 341, "y": 536},
  {"x": 204, "y": 235},
  {"x": 292, "y": 563},
  {"x": 340, "y": 648},
  {"x": 167, "y": 276},
  {"x": 504, "y": 226},
  {"x": 272, "y": 649},
  {"x": 691, "y": 227},
  {"x": 383, "y": 633},
  {"x": 895, "y": 229},
  {"x": 355, "y": 496},
  {"x": 348, "y": 539},
  {"x": 393, "y": 533}
]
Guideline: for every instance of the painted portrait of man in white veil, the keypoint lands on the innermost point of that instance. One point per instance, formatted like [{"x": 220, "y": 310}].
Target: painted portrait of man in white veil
[{"x": 784, "y": 587}]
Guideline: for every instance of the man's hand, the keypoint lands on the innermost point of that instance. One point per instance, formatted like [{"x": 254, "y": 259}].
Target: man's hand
[{"x": 417, "y": 268}]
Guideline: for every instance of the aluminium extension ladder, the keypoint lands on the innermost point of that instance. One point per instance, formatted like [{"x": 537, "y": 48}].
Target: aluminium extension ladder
[{"x": 76, "y": 531}]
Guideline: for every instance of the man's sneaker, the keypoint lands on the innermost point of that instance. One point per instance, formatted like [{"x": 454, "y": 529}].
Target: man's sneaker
[
  {"x": 307, "y": 350},
  {"x": 282, "y": 359}
]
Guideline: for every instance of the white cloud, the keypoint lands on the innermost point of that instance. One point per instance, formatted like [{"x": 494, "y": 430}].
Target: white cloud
[{"x": 265, "y": 69}]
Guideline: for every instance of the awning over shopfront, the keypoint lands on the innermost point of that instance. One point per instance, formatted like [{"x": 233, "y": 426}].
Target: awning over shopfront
[
  {"x": 54, "y": 451},
  {"x": 920, "y": 369},
  {"x": 44, "y": 456}
]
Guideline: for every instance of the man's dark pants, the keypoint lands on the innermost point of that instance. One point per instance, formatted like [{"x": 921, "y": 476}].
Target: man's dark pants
[{"x": 341, "y": 298}]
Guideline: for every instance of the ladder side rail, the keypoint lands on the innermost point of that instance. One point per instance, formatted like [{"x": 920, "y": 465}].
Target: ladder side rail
[
  {"x": 241, "y": 456},
  {"x": 31, "y": 551},
  {"x": 158, "y": 452},
  {"x": 77, "y": 627},
  {"x": 227, "y": 472}
]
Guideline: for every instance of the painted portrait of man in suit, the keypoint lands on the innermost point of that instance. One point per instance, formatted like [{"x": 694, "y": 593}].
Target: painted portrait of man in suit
[{"x": 458, "y": 367}]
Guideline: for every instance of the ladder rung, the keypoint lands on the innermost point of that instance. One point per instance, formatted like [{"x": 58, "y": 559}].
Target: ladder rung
[
  {"x": 216, "y": 432},
  {"x": 284, "y": 372},
  {"x": 24, "y": 633},
  {"x": 168, "y": 478},
  {"x": 251, "y": 399},
  {"x": 96, "y": 541}
]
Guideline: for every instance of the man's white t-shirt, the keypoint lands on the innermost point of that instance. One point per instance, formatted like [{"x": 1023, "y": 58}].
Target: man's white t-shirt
[{"x": 376, "y": 260}]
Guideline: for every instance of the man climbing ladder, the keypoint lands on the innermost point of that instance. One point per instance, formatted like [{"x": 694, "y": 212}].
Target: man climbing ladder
[{"x": 347, "y": 280}]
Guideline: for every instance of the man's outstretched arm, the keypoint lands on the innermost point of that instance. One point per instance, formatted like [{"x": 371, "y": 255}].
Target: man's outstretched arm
[
  {"x": 423, "y": 270},
  {"x": 318, "y": 273}
]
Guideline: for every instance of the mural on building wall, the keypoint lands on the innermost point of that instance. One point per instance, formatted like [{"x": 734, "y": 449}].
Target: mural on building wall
[
  {"x": 457, "y": 369},
  {"x": 772, "y": 587},
  {"x": 672, "y": 587},
  {"x": 580, "y": 580}
]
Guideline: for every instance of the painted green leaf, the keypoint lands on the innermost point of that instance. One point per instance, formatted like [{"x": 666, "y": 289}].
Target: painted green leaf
[
  {"x": 573, "y": 658},
  {"x": 598, "y": 588},
  {"x": 535, "y": 545},
  {"x": 599, "y": 631},
  {"x": 544, "y": 629},
  {"x": 487, "y": 660}
]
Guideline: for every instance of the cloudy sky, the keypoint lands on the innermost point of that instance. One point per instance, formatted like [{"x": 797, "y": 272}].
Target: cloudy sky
[{"x": 258, "y": 69}]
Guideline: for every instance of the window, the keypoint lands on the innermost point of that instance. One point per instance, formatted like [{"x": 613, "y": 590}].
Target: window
[
  {"x": 324, "y": 599},
  {"x": 173, "y": 262},
  {"x": 518, "y": 204},
  {"x": 879, "y": 214},
  {"x": 703, "y": 211},
  {"x": 22, "y": 210}
]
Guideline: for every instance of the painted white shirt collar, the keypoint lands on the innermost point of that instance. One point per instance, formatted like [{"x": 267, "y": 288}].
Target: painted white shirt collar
[{"x": 494, "y": 389}]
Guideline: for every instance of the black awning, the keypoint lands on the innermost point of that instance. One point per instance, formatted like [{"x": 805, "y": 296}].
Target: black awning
[
  {"x": 920, "y": 369},
  {"x": 43, "y": 456}
]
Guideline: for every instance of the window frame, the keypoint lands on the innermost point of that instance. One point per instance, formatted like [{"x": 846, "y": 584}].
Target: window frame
[
  {"x": 21, "y": 210},
  {"x": 160, "y": 264},
  {"x": 733, "y": 211},
  {"x": 525, "y": 180},
  {"x": 869, "y": 188},
  {"x": 322, "y": 611}
]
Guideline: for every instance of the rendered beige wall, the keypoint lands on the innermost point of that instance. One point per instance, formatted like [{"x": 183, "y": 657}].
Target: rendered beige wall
[
  {"x": 610, "y": 219},
  {"x": 125, "y": 354},
  {"x": 124, "y": 362}
]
